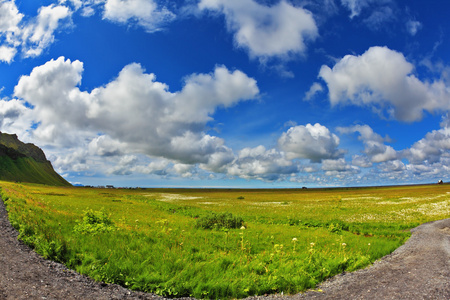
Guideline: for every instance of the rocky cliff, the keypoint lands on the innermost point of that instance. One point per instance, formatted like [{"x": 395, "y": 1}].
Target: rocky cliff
[{"x": 25, "y": 163}]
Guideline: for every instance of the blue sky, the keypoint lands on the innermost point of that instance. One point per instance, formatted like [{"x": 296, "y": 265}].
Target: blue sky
[{"x": 230, "y": 93}]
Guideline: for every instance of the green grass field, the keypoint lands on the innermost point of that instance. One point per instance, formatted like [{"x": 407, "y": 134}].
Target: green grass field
[{"x": 219, "y": 243}]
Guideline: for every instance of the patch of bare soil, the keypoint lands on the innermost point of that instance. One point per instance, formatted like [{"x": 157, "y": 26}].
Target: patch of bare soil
[{"x": 420, "y": 269}]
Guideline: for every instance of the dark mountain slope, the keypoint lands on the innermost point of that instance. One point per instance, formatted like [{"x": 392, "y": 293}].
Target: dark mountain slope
[{"x": 25, "y": 163}]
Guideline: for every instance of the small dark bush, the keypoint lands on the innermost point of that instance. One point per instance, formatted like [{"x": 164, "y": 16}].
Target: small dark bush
[{"x": 219, "y": 221}]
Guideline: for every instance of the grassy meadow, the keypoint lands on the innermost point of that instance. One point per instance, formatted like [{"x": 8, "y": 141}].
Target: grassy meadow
[{"x": 220, "y": 243}]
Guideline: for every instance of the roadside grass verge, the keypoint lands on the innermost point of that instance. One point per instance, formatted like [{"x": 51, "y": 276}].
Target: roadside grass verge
[{"x": 218, "y": 243}]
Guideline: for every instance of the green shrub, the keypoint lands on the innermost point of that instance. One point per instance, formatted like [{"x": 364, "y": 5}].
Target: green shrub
[
  {"x": 94, "y": 222},
  {"x": 219, "y": 221},
  {"x": 334, "y": 228}
]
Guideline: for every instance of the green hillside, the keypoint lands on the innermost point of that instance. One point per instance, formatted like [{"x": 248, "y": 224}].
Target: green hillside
[{"x": 26, "y": 163}]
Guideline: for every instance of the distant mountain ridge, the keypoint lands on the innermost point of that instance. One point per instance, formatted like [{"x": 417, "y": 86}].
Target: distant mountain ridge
[{"x": 26, "y": 163}]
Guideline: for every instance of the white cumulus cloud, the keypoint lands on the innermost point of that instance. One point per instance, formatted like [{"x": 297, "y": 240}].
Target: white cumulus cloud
[
  {"x": 382, "y": 79},
  {"x": 123, "y": 167},
  {"x": 338, "y": 167},
  {"x": 313, "y": 142},
  {"x": 259, "y": 163},
  {"x": 39, "y": 34},
  {"x": 145, "y": 13},
  {"x": 313, "y": 90},
  {"x": 361, "y": 161},
  {"x": 391, "y": 167},
  {"x": 30, "y": 36},
  {"x": 432, "y": 148},
  {"x": 7, "y": 53},
  {"x": 158, "y": 167},
  {"x": 374, "y": 146},
  {"x": 133, "y": 111},
  {"x": 264, "y": 31},
  {"x": 105, "y": 146},
  {"x": 59, "y": 106},
  {"x": 10, "y": 112},
  {"x": 10, "y": 17},
  {"x": 75, "y": 161}
]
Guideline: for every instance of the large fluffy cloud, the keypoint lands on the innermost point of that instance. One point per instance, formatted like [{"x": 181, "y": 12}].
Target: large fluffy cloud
[
  {"x": 133, "y": 110},
  {"x": 383, "y": 78},
  {"x": 60, "y": 108},
  {"x": 313, "y": 142},
  {"x": 266, "y": 31}
]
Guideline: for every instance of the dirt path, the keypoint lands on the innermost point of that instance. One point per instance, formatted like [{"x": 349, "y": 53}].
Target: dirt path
[{"x": 420, "y": 269}]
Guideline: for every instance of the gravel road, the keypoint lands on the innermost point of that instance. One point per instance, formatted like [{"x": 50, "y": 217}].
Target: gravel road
[{"x": 420, "y": 269}]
